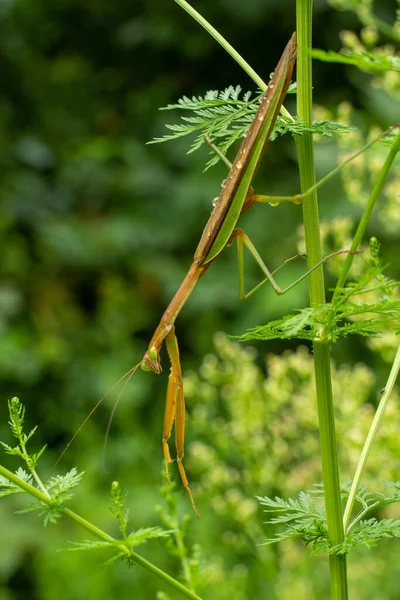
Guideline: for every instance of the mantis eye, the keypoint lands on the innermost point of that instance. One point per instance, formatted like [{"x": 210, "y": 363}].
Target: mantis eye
[
  {"x": 153, "y": 354},
  {"x": 144, "y": 367}
]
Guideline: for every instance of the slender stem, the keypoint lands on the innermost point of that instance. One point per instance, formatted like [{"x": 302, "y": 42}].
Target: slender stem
[
  {"x": 330, "y": 469},
  {"x": 297, "y": 198},
  {"x": 317, "y": 296},
  {"x": 183, "y": 556},
  {"x": 377, "y": 189},
  {"x": 223, "y": 42},
  {"x": 24, "y": 485},
  {"x": 370, "y": 439},
  {"x": 29, "y": 462},
  {"x": 99, "y": 533},
  {"x": 229, "y": 49}
]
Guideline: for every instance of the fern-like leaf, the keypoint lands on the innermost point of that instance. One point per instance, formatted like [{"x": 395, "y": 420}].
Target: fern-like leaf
[
  {"x": 366, "y": 61},
  {"x": 141, "y": 536},
  {"x": 349, "y": 315},
  {"x": 304, "y": 517},
  {"x": 59, "y": 487},
  {"x": 226, "y": 118},
  {"x": 368, "y": 533}
]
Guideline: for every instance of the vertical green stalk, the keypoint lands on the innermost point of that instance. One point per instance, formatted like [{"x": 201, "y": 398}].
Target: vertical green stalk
[{"x": 317, "y": 296}]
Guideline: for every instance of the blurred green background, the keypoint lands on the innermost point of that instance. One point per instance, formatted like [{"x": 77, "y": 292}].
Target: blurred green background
[{"x": 97, "y": 230}]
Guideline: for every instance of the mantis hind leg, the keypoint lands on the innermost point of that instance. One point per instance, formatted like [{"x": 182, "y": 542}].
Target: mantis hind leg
[
  {"x": 243, "y": 240},
  {"x": 175, "y": 410}
]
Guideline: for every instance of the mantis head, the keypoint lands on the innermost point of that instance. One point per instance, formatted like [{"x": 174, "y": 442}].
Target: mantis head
[{"x": 151, "y": 361}]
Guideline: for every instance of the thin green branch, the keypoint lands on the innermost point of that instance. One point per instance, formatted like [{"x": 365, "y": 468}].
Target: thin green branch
[
  {"x": 370, "y": 439},
  {"x": 98, "y": 533},
  {"x": 297, "y": 198},
  {"x": 366, "y": 510},
  {"x": 229, "y": 49}
]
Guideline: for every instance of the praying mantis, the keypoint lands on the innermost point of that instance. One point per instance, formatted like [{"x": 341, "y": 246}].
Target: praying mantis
[{"x": 236, "y": 197}]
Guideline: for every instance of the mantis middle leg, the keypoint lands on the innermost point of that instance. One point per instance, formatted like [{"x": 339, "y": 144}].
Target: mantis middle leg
[{"x": 242, "y": 239}]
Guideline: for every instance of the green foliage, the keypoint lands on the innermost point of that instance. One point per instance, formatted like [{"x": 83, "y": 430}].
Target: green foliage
[
  {"x": 16, "y": 422},
  {"x": 255, "y": 429},
  {"x": 349, "y": 314},
  {"x": 225, "y": 118},
  {"x": 304, "y": 517},
  {"x": 117, "y": 509},
  {"x": 56, "y": 489},
  {"x": 366, "y": 61},
  {"x": 7, "y": 487},
  {"x": 60, "y": 486},
  {"x": 131, "y": 541},
  {"x": 193, "y": 570},
  {"x": 54, "y": 493}
]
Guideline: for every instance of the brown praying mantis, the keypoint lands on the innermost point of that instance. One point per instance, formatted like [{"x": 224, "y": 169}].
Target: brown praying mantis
[{"x": 236, "y": 197}]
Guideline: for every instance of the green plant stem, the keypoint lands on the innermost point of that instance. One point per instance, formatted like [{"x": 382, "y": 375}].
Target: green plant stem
[
  {"x": 317, "y": 296},
  {"x": 377, "y": 189},
  {"x": 183, "y": 556},
  {"x": 330, "y": 469},
  {"x": 297, "y": 198},
  {"x": 229, "y": 49},
  {"x": 25, "y": 456},
  {"x": 370, "y": 440},
  {"x": 98, "y": 533}
]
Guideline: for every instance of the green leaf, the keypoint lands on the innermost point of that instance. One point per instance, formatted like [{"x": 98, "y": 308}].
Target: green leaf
[
  {"x": 7, "y": 487},
  {"x": 88, "y": 545},
  {"x": 366, "y": 61},
  {"x": 368, "y": 533},
  {"x": 343, "y": 317},
  {"x": 225, "y": 119},
  {"x": 59, "y": 486},
  {"x": 141, "y": 536}
]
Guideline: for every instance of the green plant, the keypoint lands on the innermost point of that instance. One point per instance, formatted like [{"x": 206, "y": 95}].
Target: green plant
[{"x": 50, "y": 497}]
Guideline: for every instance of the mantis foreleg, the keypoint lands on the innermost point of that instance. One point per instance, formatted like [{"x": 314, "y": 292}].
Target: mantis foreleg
[{"x": 175, "y": 409}]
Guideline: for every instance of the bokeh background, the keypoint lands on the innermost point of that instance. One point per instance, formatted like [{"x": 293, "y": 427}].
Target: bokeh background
[{"x": 97, "y": 230}]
